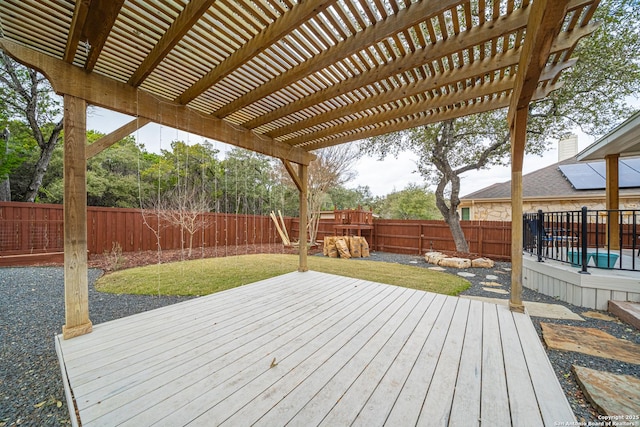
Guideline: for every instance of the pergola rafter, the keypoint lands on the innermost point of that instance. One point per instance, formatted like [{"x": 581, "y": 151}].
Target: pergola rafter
[{"x": 285, "y": 77}]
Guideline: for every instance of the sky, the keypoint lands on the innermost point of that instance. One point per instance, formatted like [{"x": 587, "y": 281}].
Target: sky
[{"x": 382, "y": 177}]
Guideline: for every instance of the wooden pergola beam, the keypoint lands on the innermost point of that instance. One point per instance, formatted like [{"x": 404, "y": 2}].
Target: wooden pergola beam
[
  {"x": 75, "y": 31},
  {"x": 418, "y": 88},
  {"x": 409, "y": 122},
  {"x": 300, "y": 178},
  {"x": 465, "y": 40},
  {"x": 286, "y": 23},
  {"x": 192, "y": 12},
  {"x": 293, "y": 174},
  {"x": 487, "y": 89},
  {"x": 115, "y": 136},
  {"x": 76, "y": 282},
  {"x": 405, "y": 18},
  {"x": 101, "y": 17},
  {"x": 545, "y": 23},
  {"x": 110, "y": 94}
]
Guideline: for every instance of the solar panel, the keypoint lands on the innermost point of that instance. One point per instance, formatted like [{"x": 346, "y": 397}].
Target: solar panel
[
  {"x": 629, "y": 173},
  {"x": 583, "y": 177},
  {"x": 592, "y": 175}
]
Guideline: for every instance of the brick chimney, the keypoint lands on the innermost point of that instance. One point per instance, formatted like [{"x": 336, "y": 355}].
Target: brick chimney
[{"x": 567, "y": 147}]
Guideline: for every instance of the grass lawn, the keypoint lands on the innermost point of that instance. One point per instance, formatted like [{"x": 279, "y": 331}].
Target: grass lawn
[{"x": 206, "y": 276}]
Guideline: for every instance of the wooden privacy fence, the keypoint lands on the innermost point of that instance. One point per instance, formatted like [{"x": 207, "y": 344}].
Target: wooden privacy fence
[
  {"x": 32, "y": 228},
  {"x": 490, "y": 239}
]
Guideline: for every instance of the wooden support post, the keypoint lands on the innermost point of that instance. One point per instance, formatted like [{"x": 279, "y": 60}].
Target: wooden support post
[
  {"x": 613, "y": 201},
  {"x": 518, "y": 141},
  {"x": 303, "y": 175},
  {"x": 76, "y": 282}
]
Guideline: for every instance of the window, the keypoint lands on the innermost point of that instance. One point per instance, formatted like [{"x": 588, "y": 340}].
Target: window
[{"x": 465, "y": 214}]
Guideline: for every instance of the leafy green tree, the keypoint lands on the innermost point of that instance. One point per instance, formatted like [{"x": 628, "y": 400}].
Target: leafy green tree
[
  {"x": 349, "y": 198},
  {"x": 28, "y": 97},
  {"x": 248, "y": 185},
  {"x": 184, "y": 167},
  {"x": 593, "y": 96},
  {"x": 16, "y": 144},
  {"x": 414, "y": 202},
  {"x": 112, "y": 175}
]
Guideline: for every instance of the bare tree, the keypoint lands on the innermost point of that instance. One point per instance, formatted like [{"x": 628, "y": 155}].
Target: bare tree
[
  {"x": 333, "y": 167},
  {"x": 184, "y": 208}
]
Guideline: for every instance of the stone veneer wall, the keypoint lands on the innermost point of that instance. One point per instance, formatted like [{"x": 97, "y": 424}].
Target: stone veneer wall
[{"x": 501, "y": 211}]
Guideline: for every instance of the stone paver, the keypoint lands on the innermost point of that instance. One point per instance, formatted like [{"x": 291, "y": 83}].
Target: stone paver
[
  {"x": 536, "y": 309},
  {"x": 628, "y": 312},
  {"x": 437, "y": 268},
  {"x": 610, "y": 394},
  {"x": 465, "y": 274},
  {"x": 494, "y": 284},
  {"x": 496, "y": 291},
  {"x": 589, "y": 341},
  {"x": 491, "y": 277},
  {"x": 599, "y": 316}
]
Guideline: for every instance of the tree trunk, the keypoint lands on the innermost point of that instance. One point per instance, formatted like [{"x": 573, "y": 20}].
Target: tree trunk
[
  {"x": 5, "y": 190},
  {"x": 456, "y": 231},
  {"x": 42, "y": 164},
  {"x": 449, "y": 210}
]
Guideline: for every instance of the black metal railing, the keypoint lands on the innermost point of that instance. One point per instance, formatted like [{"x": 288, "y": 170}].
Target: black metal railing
[{"x": 585, "y": 239}]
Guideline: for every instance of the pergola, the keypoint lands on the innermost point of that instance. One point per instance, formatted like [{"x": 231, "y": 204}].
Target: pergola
[{"x": 286, "y": 77}]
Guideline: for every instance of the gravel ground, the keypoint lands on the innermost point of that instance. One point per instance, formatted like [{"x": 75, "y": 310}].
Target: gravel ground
[{"x": 32, "y": 312}]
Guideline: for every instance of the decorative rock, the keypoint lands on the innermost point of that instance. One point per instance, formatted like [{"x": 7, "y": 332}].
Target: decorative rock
[
  {"x": 455, "y": 262},
  {"x": 482, "y": 263},
  {"x": 496, "y": 291},
  {"x": 466, "y": 274},
  {"x": 611, "y": 394},
  {"x": 491, "y": 284},
  {"x": 491, "y": 277},
  {"x": 434, "y": 257}
]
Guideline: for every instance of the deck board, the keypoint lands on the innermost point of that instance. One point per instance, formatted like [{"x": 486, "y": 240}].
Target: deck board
[{"x": 315, "y": 349}]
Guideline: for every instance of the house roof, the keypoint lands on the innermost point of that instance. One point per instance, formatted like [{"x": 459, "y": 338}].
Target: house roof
[
  {"x": 548, "y": 182},
  {"x": 624, "y": 140}
]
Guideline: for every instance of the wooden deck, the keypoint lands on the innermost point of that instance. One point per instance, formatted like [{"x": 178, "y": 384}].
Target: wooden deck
[{"x": 315, "y": 349}]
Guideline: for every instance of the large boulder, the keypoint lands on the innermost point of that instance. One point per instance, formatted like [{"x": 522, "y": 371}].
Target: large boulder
[
  {"x": 482, "y": 263},
  {"x": 455, "y": 262},
  {"x": 434, "y": 257}
]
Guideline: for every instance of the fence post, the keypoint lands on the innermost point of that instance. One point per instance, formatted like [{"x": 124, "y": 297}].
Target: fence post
[
  {"x": 540, "y": 236},
  {"x": 583, "y": 246}
]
